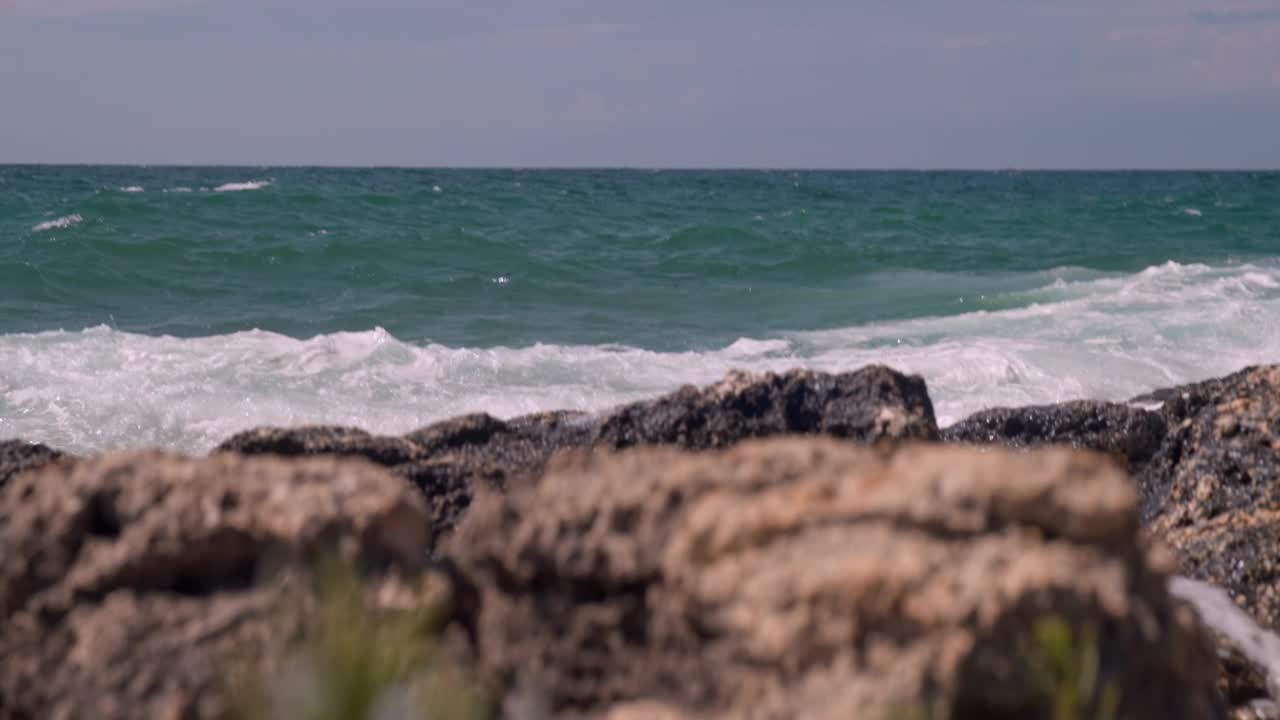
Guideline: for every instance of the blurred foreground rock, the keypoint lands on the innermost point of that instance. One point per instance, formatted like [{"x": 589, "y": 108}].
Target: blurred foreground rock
[
  {"x": 796, "y": 577},
  {"x": 810, "y": 579},
  {"x": 1206, "y": 464},
  {"x": 132, "y": 584}
]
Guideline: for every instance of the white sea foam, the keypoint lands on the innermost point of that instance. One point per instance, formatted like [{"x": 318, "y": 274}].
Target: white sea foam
[
  {"x": 1109, "y": 337},
  {"x": 132, "y": 189},
  {"x": 61, "y": 223},
  {"x": 242, "y": 186},
  {"x": 1193, "y": 212},
  {"x": 178, "y": 190}
]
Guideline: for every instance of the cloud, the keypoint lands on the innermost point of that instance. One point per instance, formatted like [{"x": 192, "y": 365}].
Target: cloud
[
  {"x": 1239, "y": 17},
  {"x": 929, "y": 41},
  {"x": 1231, "y": 51},
  {"x": 571, "y": 36},
  {"x": 80, "y": 8}
]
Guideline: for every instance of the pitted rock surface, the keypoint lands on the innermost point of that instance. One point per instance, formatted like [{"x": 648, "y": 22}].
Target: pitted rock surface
[
  {"x": 1214, "y": 488},
  {"x": 19, "y": 456},
  {"x": 809, "y": 578},
  {"x": 1131, "y": 434},
  {"x": 451, "y": 460},
  {"x": 131, "y": 583},
  {"x": 870, "y": 404}
]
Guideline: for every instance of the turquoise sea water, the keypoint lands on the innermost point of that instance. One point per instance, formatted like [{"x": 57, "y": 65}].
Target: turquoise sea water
[{"x": 174, "y": 306}]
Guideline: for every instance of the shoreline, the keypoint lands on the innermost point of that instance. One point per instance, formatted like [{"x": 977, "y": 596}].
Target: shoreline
[{"x": 1152, "y": 401}]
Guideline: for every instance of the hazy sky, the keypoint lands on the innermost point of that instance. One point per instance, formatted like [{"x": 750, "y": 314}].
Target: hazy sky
[{"x": 800, "y": 83}]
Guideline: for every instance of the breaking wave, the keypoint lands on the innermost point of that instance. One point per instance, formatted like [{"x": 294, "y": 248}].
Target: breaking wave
[{"x": 1076, "y": 335}]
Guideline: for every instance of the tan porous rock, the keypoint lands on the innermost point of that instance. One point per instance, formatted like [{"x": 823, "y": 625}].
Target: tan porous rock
[
  {"x": 131, "y": 584},
  {"x": 808, "y": 578}
]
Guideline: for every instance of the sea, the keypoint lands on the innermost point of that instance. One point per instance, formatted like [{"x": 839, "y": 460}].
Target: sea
[{"x": 175, "y": 306}]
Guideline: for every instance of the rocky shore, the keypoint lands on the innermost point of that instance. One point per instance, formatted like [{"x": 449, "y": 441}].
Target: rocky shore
[{"x": 799, "y": 545}]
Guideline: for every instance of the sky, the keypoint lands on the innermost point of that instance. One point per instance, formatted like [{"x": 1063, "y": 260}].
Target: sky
[{"x": 644, "y": 83}]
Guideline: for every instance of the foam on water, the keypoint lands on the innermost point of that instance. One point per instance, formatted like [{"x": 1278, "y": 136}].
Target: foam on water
[
  {"x": 61, "y": 223},
  {"x": 1103, "y": 337},
  {"x": 242, "y": 186},
  {"x": 132, "y": 189}
]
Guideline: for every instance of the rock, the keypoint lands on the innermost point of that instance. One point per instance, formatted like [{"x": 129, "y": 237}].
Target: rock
[
  {"x": 1130, "y": 433},
  {"x": 18, "y": 456},
  {"x": 1222, "y": 449},
  {"x": 450, "y": 460},
  {"x": 1206, "y": 464},
  {"x": 867, "y": 405},
  {"x": 811, "y": 578},
  {"x": 459, "y": 453},
  {"x": 1212, "y": 492},
  {"x": 322, "y": 440},
  {"x": 445, "y": 460},
  {"x": 525, "y": 441},
  {"x": 131, "y": 584}
]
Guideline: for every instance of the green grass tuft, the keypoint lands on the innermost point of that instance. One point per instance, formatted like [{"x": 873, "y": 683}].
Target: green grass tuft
[
  {"x": 360, "y": 663},
  {"x": 1066, "y": 665}
]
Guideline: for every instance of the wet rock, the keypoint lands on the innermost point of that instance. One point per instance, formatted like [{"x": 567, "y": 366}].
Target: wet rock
[
  {"x": 322, "y": 440},
  {"x": 131, "y": 584},
  {"x": 451, "y": 460},
  {"x": 479, "y": 451},
  {"x": 18, "y": 456},
  {"x": 447, "y": 460},
  {"x": 1223, "y": 448},
  {"x": 867, "y": 405},
  {"x": 1212, "y": 492},
  {"x": 525, "y": 441},
  {"x": 811, "y": 578},
  {"x": 1132, "y": 434}
]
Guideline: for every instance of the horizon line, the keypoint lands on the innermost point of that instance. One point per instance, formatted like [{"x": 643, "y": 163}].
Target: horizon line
[{"x": 645, "y": 168}]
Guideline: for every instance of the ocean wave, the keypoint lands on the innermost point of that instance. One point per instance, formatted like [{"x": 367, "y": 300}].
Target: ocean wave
[
  {"x": 63, "y": 222},
  {"x": 1110, "y": 337},
  {"x": 242, "y": 186},
  {"x": 132, "y": 189}
]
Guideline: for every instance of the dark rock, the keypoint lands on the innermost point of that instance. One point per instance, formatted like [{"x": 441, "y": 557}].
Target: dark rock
[
  {"x": 1130, "y": 433},
  {"x": 1213, "y": 490},
  {"x": 487, "y": 447},
  {"x": 512, "y": 442},
  {"x": 806, "y": 577},
  {"x": 450, "y": 460},
  {"x": 18, "y": 456},
  {"x": 444, "y": 460},
  {"x": 867, "y": 405},
  {"x": 466, "y": 453},
  {"x": 322, "y": 440},
  {"x": 131, "y": 584},
  {"x": 1223, "y": 446},
  {"x": 458, "y": 432}
]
